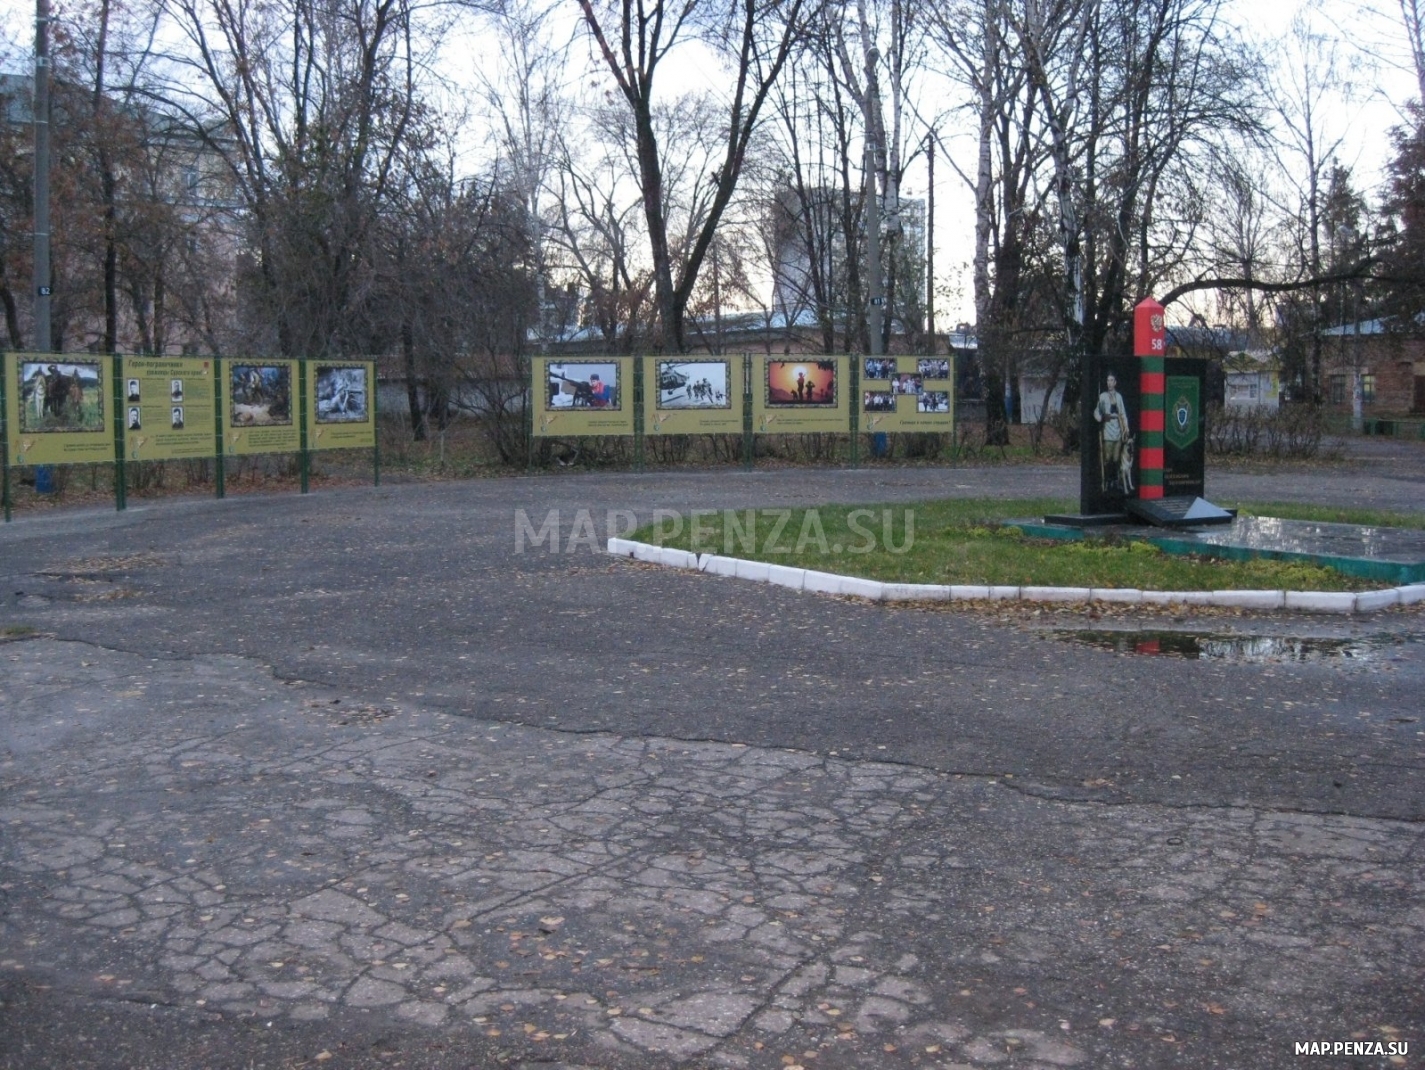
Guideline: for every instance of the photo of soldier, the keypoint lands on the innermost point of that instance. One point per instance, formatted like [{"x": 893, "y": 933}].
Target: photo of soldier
[
  {"x": 693, "y": 385},
  {"x": 801, "y": 382},
  {"x": 879, "y": 401},
  {"x": 261, "y": 395},
  {"x": 60, "y": 396},
  {"x": 907, "y": 384},
  {"x": 1115, "y": 435},
  {"x": 933, "y": 401}
]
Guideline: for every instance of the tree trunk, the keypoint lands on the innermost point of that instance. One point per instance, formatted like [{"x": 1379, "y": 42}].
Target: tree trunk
[
  {"x": 107, "y": 185},
  {"x": 413, "y": 392}
]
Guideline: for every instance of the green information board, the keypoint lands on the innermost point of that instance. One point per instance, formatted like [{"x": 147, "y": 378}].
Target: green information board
[
  {"x": 261, "y": 403},
  {"x": 693, "y": 396},
  {"x": 168, "y": 408},
  {"x": 583, "y": 396},
  {"x": 341, "y": 405},
  {"x": 907, "y": 394},
  {"x": 793, "y": 396},
  {"x": 56, "y": 409}
]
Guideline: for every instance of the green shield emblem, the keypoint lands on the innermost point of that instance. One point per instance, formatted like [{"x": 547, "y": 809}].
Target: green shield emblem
[{"x": 1183, "y": 414}]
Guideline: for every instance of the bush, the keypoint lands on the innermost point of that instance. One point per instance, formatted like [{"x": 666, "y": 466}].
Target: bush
[{"x": 1293, "y": 431}]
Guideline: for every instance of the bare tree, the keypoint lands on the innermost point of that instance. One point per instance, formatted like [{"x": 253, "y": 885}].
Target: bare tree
[
  {"x": 309, "y": 105},
  {"x": 633, "y": 38},
  {"x": 976, "y": 36},
  {"x": 527, "y": 94},
  {"x": 1305, "y": 95}
]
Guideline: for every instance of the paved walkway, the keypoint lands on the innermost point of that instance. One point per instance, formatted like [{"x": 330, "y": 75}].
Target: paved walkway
[{"x": 347, "y": 781}]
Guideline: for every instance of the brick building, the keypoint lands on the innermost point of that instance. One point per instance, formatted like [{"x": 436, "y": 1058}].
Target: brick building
[{"x": 1390, "y": 363}]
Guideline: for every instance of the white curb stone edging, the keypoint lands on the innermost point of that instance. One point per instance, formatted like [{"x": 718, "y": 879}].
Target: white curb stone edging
[{"x": 806, "y": 579}]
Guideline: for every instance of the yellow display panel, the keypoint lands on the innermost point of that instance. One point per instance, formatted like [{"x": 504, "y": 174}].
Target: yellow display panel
[
  {"x": 798, "y": 395},
  {"x": 167, "y": 408},
  {"x": 341, "y": 405},
  {"x": 907, "y": 394},
  {"x": 260, "y": 406},
  {"x": 693, "y": 396},
  {"x": 56, "y": 408},
  {"x": 583, "y": 396}
]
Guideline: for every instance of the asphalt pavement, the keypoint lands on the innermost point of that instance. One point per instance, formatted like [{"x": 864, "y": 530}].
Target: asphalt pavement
[{"x": 355, "y": 779}]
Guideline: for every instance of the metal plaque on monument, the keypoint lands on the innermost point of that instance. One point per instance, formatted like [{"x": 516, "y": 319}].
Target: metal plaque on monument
[{"x": 1184, "y": 427}]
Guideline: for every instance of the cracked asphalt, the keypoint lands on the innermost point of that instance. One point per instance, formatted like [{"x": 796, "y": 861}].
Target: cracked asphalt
[{"x": 346, "y": 781}]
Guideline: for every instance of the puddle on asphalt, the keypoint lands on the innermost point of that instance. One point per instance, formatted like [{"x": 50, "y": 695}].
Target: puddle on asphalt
[{"x": 1205, "y": 646}]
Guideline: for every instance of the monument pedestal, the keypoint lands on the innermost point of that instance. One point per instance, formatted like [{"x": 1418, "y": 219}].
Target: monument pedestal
[
  {"x": 1088, "y": 520},
  {"x": 1189, "y": 511}
]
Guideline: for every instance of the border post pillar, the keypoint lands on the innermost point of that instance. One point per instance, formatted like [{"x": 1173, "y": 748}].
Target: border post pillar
[{"x": 1150, "y": 337}]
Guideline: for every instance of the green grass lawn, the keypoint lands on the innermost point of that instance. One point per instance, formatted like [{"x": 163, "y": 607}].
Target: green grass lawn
[{"x": 961, "y": 541}]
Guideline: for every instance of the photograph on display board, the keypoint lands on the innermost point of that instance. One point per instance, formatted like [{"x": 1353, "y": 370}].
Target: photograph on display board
[
  {"x": 933, "y": 368},
  {"x": 135, "y": 418},
  {"x": 701, "y": 384},
  {"x": 175, "y": 391},
  {"x": 341, "y": 394},
  {"x": 879, "y": 368},
  {"x": 57, "y": 396},
  {"x": 583, "y": 384},
  {"x": 879, "y": 401},
  {"x": 906, "y": 384},
  {"x": 1114, "y": 423},
  {"x": 177, "y": 418},
  {"x": 933, "y": 401},
  {"x": 133, "y": 391},
  {"x": 801, "y": 383},
  {"x": 261, "y": 395}
]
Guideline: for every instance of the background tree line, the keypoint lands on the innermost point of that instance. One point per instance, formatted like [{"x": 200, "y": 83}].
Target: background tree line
[{"x": 330, "y": 178}]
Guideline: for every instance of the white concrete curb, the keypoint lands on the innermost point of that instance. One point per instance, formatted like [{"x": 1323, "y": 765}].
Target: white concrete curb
[{"x": 805, "y": 579}]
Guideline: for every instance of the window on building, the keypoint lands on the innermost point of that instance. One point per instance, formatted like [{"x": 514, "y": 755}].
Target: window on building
[
  {"x": 1242, "y": 390},
  {"x": 1337, "y": 387},
  {"x": 1368, "y": 389}
]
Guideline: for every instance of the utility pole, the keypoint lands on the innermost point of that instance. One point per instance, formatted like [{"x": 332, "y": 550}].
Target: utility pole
[
  {"x": 875, "y": 315},
  {"x": 40, "y": 118},
  {"x": 930, "y": 244}
]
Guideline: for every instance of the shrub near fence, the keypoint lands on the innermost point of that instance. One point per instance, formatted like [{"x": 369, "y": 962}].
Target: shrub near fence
[{"x": 1294, "y": 431}]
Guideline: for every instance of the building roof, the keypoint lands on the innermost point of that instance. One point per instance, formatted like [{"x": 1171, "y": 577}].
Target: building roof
[
  {"x": 1214, "y": 338},
  {"x": 1367, "y": 328}
]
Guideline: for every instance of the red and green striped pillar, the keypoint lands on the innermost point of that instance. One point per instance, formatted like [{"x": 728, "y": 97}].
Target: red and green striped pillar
[{"x": 1150, "y": 344}]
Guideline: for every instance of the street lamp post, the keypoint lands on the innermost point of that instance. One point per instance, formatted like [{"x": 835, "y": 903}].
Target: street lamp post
[
  {"x": 1345, "y": 237},
  {"x": 41, "y": 125}
]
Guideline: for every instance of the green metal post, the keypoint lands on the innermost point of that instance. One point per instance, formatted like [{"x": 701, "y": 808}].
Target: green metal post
[
  {"x": 219, "y": 465},
  {"x": 121, "y": 482},
  {"x": 748, "y": 443},
  {"x": 855, "y": 399},
  {"x": 637, "y": 414},
  {"x": 375, "y": 430},
  {"x": 529, "y": 403},
  {"x": 303, "y": 464},
  {"x": 954, "y": 401}
]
